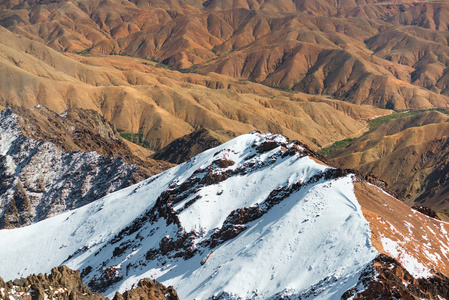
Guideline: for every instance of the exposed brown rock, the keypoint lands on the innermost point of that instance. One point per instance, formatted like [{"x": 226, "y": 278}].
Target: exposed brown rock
[
  {"x": 148, "y": 289},
  {"x": 267, "y": 146},
  {"x": 62, "y": 283},
  {"x": 427, "y": 211},
  {"x": 65, "y": 284}
]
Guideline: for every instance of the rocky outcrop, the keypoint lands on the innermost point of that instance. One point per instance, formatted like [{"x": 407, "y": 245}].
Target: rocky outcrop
[
  {"x": 148, "y": 289},
  {"x": 427, "y": 211},
  {"x": 65, "y": 284},
  {"x": 62, "y": 284}
]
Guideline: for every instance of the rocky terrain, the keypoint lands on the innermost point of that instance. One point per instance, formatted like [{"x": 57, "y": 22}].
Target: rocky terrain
[
  {"x": 148, "y": 289},
  {"x": 44, "y": 171},
  {"x": 84, "y": 130},
  {"x": 257, "y": 217},
  {"x": 386, "y": 278},
  {"x": 65, "y": 284},
  {"x": 415, "y": 148}
]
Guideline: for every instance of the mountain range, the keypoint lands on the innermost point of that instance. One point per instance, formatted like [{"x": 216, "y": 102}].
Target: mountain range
[
  {"x": 126, "y": 162},
  {"x": 163, "y": 105},
  {"x": 385, "y": 53}
]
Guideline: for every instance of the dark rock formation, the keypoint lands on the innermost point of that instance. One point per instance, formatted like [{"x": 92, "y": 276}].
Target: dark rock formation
[
  {"x": 186, "y": 147},
  {"x": 427, "y": 211}
]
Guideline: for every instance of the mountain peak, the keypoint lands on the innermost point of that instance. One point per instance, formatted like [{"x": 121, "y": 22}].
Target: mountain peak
[{"x": 257, "y": 217}]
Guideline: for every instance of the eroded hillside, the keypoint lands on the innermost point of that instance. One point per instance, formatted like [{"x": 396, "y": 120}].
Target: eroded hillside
[{"x": 388, "y": 54}]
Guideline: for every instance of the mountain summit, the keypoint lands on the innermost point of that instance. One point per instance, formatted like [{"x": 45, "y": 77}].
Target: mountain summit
[{"x": 258, "y": 217}]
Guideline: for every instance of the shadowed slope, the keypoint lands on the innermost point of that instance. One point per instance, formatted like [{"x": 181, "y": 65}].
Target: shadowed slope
[{"x": 186, "y": 147}]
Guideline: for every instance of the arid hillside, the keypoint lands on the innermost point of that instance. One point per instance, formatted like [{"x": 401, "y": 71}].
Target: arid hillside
[
  {"x": 391, "y": 54},
  {"x": 410, "y": 154},
  {"x": 138, "y": 96}
]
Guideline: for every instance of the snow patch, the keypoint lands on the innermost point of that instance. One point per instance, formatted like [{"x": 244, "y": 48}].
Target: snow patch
[{"x": 410, "y": 263}]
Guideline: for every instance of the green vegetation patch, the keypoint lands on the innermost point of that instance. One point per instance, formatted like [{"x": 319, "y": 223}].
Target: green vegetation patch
[
  {"x": 336, "y": 146},
  {"x": 136, "y": 138},
  {"x": 192, "y": 69},
  {"x": 83, "y": 53},
  {"x": 373, "y": 123}
]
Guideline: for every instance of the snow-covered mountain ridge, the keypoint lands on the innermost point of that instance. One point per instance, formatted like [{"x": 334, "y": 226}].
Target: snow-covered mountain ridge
[
  {"x": 258, "y": 217},
  {"x": 39, "y": 180}
]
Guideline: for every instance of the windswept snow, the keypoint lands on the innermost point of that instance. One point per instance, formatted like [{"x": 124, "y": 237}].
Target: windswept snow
[
  {"x": 237, "y": 221},
  {"x": 315, "y": 234}
]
